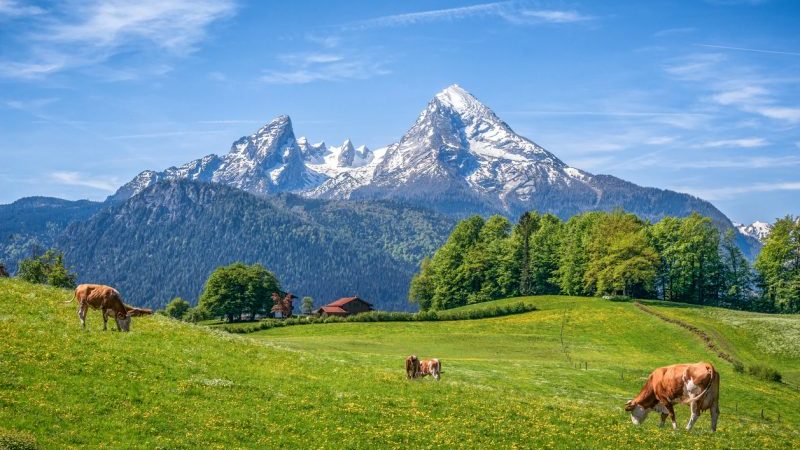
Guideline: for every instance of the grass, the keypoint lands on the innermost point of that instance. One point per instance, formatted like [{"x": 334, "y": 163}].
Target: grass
[{"x": 508, "y": 382}]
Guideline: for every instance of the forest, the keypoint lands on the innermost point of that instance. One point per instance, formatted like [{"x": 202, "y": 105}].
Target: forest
[{"x": 611, "y": 254}]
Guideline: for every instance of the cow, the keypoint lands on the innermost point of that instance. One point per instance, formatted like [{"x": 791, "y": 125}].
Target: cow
[
  {"x": 430, "y": 367},
  {"x": 107, "y": 300},
  {"x": 412, "y": 367},
  {"x": 694, "y": 384}
]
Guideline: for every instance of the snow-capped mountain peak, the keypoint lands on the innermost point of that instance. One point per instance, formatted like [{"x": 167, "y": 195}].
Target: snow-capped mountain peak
[{"x": 759, "y": 230}]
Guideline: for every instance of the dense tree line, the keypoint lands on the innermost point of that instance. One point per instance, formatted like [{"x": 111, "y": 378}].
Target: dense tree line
[{"x": 607, "y": 253}]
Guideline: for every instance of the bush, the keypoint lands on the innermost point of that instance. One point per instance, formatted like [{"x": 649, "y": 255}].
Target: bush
[
  {"x": 765, "y": 373},
  {"x": 177, "y": 308},
  {"x": 17, "y": 440},
  {"x": 738, "y": 367},
  {"x": 47, "y": 269}
]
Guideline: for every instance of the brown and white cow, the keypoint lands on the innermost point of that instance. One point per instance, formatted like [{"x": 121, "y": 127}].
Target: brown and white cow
[
  {"x": 107, "y": 300},
  {"x": 694, "y": 384},
  {"x": 430, "y": 367},
  {"x": 412, "y": 367}
]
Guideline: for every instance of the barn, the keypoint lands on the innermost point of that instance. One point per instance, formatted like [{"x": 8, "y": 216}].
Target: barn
[{"x": 345, "y": 307}]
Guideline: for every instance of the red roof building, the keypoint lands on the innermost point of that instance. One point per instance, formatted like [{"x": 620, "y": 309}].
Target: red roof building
[{"x": 345, "y": 307}]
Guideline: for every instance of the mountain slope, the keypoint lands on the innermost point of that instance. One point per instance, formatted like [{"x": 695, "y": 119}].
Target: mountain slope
[
  {"x": 165, "y": 241},
  {"x": 506, "y": 382},
  {"x": 33, "y": 224}
]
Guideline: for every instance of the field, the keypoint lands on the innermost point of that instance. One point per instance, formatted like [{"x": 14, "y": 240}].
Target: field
[{"x": 509, "y": 382}]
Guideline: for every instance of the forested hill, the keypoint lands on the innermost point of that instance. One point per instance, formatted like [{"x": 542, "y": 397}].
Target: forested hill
[
  {"x": 33, "y": 223},
  {"x": 165, "y": 242}
]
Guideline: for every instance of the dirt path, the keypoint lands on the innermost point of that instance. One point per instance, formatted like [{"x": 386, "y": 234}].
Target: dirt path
[{"x": 696, "y": 331}]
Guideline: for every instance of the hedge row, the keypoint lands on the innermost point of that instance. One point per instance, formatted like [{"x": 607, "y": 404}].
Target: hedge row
[{"x": 385, "y": 316}]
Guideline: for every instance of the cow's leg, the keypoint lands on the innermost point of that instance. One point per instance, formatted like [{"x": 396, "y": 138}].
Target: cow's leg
[
  {"x": 82, "y": 314},
  {"x": 671, "y": 410},
  {"x": 105, "y": 320},
  {"x": 714, "y": 415},
  {"x": 695, "y": 414},
  {"x": 663, "y": 420}
]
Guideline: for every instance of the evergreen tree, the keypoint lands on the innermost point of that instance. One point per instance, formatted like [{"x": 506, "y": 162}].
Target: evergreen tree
[
  {"x": 778, "y": 265},
  {"x": 737, "y": 278},
  {"x": 527, "y": 225},
  {"x": 544, "y": 256},
  {"x": 573, "y": 257}
]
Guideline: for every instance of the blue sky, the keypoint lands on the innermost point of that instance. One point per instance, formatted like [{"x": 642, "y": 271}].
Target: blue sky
[{"x": 700, "y": 97}]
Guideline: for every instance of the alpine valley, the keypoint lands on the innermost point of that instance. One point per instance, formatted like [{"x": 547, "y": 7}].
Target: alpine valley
[{"x": 340, "y": 220}]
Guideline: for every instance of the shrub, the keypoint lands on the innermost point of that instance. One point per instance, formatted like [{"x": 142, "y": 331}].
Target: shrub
[
  {"x": 764, "y": 373},
  {"x": 738, "y": 367},
  {"x": 17, "y": 440}
]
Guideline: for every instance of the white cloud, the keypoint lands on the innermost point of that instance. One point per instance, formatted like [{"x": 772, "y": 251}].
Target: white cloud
[
  {"x": 76, "y": 179},
  {"x": 731, "y": 191},
  {"x": 741, "y": 95},
  {"x": 555, "y": 16},
  {"x": 741, "y": 143},
  {"x": 87, "y": 33},
  {"x": 334, "y": 64},
  {"x": 759, "y": 162},
  {"x": 782, "y": 113},
  {"x": 508, "y": 11},
  {"x": 12, "y": 8}
]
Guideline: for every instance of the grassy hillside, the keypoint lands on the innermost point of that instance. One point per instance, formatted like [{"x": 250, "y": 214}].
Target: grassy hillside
[{"x": 506, "y": 382}]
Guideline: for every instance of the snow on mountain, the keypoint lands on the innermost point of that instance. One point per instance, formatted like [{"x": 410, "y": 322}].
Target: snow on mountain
[{"x": 758, "y": 230}]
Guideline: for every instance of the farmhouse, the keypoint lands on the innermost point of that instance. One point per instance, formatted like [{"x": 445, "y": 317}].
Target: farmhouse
[{"x": 345, "y": 307}]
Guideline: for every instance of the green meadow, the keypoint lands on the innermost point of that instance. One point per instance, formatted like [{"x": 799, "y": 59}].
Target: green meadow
[{"x": 553, "y": 378}]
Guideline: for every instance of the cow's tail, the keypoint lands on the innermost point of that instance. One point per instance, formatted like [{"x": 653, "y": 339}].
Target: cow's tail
[{"x": 74, "y": 296}]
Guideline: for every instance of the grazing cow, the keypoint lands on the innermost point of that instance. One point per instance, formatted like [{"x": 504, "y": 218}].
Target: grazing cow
[
  {"x": 695, "y": 384},
  {"x": 430, "y": 367},
  {"x": 412, "y": 367},
  {"x": 107, "y": 300}
]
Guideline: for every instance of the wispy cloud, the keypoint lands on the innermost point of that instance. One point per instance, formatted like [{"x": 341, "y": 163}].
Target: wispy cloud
[
  {"x": 509, "y": 11},
  {"x": 76, "y": 34},
  {"x": 756, "y": 50},
  {"x": 334, "y": 62},
  {"x": 656, "y": 159},
  {"x": 736, "y": 85},
  {"x": 108, "y": 184},
  {"x": 719, "y": 193},
  {"x": 740, "y": 143},
  {"x": 12, "y": 8}
]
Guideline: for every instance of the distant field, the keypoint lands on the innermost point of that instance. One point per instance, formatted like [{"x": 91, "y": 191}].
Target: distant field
[{"x": 508, "y": 382}]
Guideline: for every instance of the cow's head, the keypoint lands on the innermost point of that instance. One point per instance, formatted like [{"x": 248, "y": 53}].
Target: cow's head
[
  {"x": 638, "y": 412},
  {"x": 123, "y": 321}
]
